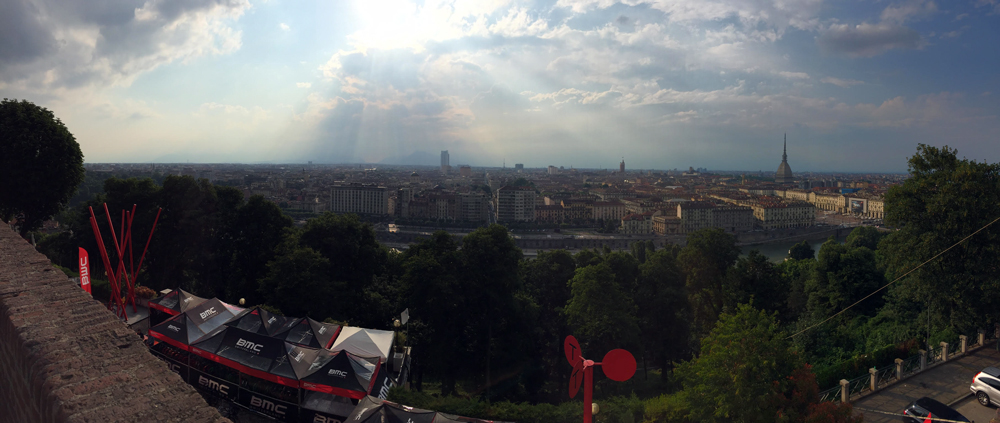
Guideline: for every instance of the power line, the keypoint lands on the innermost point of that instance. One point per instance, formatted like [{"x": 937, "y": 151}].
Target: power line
[
  {"x": 895, "y": 280},
  {"x": 926, "y": 419}
]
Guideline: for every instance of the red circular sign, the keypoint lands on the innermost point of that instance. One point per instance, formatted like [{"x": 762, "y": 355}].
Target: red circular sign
[
  {"x": 572, "y": 349},
  {"x": 618, "y": 365}
]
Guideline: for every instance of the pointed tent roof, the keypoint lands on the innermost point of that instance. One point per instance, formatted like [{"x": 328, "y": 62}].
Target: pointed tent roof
[
  {"x": 176, "y": 302},
  {"x": 197, "y": 322},
  {"x": 211, "y": 314},
  {"x": 310, "y": 333},
  {"x": 364, "y": 342},
  {"x": 248, "y": 352},
  {"x": 342, "y": 373},
  {"x": 296, "y": 363},
  {"x": 374, "y": 410},
  {"x": 260, "y": 321}
]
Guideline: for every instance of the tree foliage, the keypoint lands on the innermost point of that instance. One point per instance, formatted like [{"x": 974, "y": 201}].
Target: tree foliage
[
  {"x": 706, "y": 260},
  {"x": 742, "y": 370},
  {"x": 41, "y": 165},
  {"x": 944, "y": 200}
]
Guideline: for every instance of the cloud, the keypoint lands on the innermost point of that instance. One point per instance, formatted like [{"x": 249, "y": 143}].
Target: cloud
[
  {"x": 794, "y": 75},
  {"x": 908, "y": 11},
  {"x": 47, "y": 45},
  {"x": 303, "y": 84},
  {"x": 843, "y": 83},
  {"x": 867, "y": 40},
  {"x": 284, "y": 27}
]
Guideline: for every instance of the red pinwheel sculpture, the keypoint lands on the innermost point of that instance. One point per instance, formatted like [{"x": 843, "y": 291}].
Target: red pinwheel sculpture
[{"x": 618, "y": 365}]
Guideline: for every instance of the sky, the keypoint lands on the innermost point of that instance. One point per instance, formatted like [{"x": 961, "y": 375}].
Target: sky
[{"x": 662, "y": 84}]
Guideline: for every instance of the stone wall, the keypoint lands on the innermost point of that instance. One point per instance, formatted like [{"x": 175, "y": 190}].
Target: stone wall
[{"x": 65, "y": 358}]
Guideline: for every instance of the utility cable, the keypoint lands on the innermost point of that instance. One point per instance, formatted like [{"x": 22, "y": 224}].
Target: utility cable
[
  {"x": 895, "y": 280},
  {"x": 923, "y": 419}
]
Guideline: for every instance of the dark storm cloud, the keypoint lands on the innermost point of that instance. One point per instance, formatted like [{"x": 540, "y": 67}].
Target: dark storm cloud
[
  {"x": 22, "y": 36},
  {"x": 867, "y": 40}
]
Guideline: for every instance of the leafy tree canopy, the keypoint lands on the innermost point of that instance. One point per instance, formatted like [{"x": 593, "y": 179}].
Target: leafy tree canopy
[{"x": 41, "y": 165}]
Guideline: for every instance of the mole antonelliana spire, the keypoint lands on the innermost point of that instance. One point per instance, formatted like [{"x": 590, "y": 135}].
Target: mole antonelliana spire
[{"x": 784, "y": 173}]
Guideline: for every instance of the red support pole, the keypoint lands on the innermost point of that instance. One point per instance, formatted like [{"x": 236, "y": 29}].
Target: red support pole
[
  {"x": 143, "y": 256},
  {"x": 588, "y": 393},
  {"x": 107, "y": 263}
]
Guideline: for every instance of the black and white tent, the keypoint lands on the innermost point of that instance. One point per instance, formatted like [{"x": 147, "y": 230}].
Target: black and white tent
[
  {"x": 310, "y": 333},
  {"x": 176, "y": 302},
  {"x": 342, "y": 373}
]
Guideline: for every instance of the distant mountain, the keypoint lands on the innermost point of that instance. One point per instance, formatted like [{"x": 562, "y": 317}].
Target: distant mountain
[{"x": 421, "y": 158}]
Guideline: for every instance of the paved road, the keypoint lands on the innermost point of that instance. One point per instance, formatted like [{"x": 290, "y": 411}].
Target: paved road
[
  {"x": 971, "y": 409},
  {"x": 948, "y": 382}
]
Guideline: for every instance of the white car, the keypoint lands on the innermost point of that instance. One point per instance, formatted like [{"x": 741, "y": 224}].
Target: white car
[{"x": 986, "y": 386}]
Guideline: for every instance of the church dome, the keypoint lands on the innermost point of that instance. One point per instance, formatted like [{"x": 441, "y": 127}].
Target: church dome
[{"x": 784, "y": 173}]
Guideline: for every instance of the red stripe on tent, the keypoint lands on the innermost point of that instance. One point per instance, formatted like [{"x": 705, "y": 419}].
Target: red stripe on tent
[
  {"x": 281, "y": 380},
  {"x": 169, "y": 340},
  {"x": 334, "y": 338},
  {"x": 164, "y": 309},
  {"x": 333, "y": 391}
]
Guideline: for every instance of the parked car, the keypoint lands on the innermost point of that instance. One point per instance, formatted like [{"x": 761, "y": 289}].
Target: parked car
[
  {"x": 918, "y": 411},
  {"x": 986, "y": 386}
]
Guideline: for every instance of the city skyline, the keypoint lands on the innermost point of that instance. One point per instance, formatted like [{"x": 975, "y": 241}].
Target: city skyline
[{"x": 714, "y": 84}]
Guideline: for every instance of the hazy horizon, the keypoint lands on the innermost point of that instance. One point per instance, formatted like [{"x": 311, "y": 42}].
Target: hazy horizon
[{"x": 856, "y": 85}]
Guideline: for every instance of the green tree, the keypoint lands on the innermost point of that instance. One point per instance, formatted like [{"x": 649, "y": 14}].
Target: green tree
[
  {"x": 41, "y": 165},
  {"x": 865, "y": 236},
  {"x": 297, "y": 281},
  {"x": 755, "y": 279},
  {"x": 490, "y": 273},
  {"x": 801, "y": 251},
  {"x": 257, "y": 230},
  {"x": 663, "y": 312},
  {"x": 742, "y": 370},
  {"x": 431, "y": 288},
  {"x": 944, "y": 200},
  {"x": 626, "y": 269},
  {"x": 600, "y": 313},
  {"x": 705, "y": 260},
  {"x": 546, "y": 279}
]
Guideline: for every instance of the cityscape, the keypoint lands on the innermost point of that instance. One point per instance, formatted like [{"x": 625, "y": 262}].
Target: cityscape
[{"x": 505, "y": 211}]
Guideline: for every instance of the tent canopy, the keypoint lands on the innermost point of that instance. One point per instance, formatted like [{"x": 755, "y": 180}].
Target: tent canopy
[
  {"x": 311, "y": 333},
  {"x": 364, "y": 342},
  {"x": 374, "y": 410},
  {"x": 251, "y": 353},
  {"x": 341, "y": 373},
  {"x": 261, "y": 321},
  {"x": 176, "y": 302}
]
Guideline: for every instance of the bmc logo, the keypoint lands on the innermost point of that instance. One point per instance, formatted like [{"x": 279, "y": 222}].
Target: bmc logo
[
  {"x": 267, "y": 405},
  {"x": 298, "y": 357},
  {"x": 323, "y": 419},
  {"x": 384, "y": 392},
  {"x": 249, "y": 346},
  {"x": 84, "y": 271},
  {"x": 207, "y": 313},
  {"x": 176, "y": 368},
  {"x": 213, "y": 385},
  {"x": 337, "y": 373},
  {"x": 174, "y": 328},
  {"x": 271, "y": 320}
]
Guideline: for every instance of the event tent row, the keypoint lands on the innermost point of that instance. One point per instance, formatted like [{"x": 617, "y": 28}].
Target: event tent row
[{"x": 291, "y": 369}]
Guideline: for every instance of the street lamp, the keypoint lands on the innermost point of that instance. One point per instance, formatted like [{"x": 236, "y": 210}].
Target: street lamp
[
  {"x": 396, "y": 323},
  {"x": 243, "y": 301}
]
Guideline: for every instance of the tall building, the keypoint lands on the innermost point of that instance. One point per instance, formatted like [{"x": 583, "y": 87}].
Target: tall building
[
  {"x": 445, "y": 161},
  {"x": 359, "y": 198},
  {"x": 784, "y": 173},
  {"x": 621, "y": 167},
  {"x": 515, "y": 204}
]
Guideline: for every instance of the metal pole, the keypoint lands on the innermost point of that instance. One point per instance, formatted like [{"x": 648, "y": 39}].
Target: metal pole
[{"x": 588, "y": 393}]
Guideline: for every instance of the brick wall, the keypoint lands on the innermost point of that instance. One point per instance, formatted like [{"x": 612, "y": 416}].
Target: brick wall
[{"x": 65, "y": 358}]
